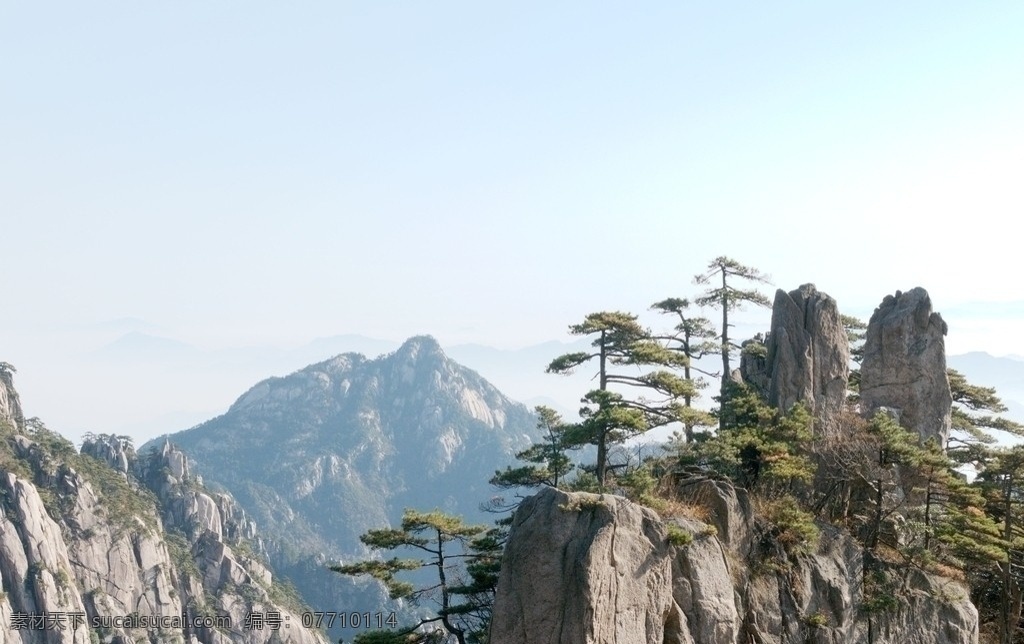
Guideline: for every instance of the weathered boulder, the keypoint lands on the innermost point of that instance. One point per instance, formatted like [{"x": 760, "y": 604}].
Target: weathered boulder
[
  {"x": 585, "y": 568},
  {"x": 808, "y": 355},
  {"x": 904, "y": 367},
  {"x": 728, "y": 510},
  {"x": 754, "y": 370},
  {"x": 589, "y": 569}
]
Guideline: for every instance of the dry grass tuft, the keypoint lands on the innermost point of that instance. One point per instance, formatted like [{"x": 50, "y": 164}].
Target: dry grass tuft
[
  {"x": 949, "y": 572},
  {"x": 673, "y": 508}
]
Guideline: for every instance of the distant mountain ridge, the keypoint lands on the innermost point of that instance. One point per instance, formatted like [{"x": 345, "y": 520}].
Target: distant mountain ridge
[
  {"x": 323, "y": 454},
  {"x": 203, "y": 382},
  {"x": 1006, "y": 374}
]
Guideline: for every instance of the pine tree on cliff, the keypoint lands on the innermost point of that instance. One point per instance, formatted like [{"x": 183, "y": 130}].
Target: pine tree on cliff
[
  {"x": 550, "y": 463},
  {"x": 608, "y": 416},
  {"x": 759, "y": 447},
  {"x": 729, "y": 298},
  {"x": 690, "y": 338},
  {"x": 856, "y": 331},
  {"x": 1002, "y": 481}
]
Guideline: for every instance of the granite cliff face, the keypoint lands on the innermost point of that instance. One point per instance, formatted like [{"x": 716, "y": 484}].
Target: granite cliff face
[
  {"x": 93, "y": 537},
  {"x": 591, "y": 569},
  {"x": 904, "y": 367}
]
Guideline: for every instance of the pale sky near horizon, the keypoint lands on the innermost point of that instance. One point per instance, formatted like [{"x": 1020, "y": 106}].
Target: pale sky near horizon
[{"x": 236, "y": 174}]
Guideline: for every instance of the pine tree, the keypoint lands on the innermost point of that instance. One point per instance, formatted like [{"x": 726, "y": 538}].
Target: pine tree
[
  {"x": 691, "y": 339},
  {"x": 972, "y": 427},
  {"x": 856, "y": 331},
  {"x": 1002, "y": 481},
  {"x": 552, "y": 464},
  {"x": 609, "y": 417},
  {"x": 893, "y": 446},
  {"x": 954, "y": 530},
  {"x": 445, "y": 544},
  {"x": 729, "y": 298},
  {"x": 759, "y": 447}
]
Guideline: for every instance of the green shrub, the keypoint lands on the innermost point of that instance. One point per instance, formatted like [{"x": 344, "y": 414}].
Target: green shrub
[
  {"x": 679, "y": 537},
  {"x": 126, "y": 506},
  {"x": 709, "y": 531},
  {"x": 584, "y": 482},
  {"x": 817, "y": 620},
  {"x": 792, "y": 527},
  {"x": 879, "y": 593},
  {"x": 181, "y": 554},
  {"x": 283, "y": 593}
]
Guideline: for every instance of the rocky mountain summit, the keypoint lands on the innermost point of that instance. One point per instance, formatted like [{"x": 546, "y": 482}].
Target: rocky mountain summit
[
  {"x": 342, "y": 446},
  {"x": 89, "y": 539}
]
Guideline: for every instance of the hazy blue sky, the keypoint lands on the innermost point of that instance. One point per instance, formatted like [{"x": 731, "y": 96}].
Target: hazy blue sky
[{"x": 265, "y": 173}]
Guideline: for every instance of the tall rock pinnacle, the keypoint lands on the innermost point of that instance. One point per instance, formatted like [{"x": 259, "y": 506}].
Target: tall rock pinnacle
[
  {"x": 904, "y": 366},
  {"x": 808, "y": 354}
]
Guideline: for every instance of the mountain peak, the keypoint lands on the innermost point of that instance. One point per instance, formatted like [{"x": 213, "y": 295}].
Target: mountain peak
[
  {"x": 342, "y": 446},
  {"x": 425, "y": 340},
  {"x": 420, "y": 346}
]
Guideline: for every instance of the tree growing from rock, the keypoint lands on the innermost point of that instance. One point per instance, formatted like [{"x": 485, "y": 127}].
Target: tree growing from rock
[
  {"x": 856, "y": 331},
  {"x": 1002, "y": 482},
  {"x": 550, "y": 463},
  {"x": 622, "y": 349},
  {"x": 759, "y": 447},
  {"x": 720, "y": 277}
]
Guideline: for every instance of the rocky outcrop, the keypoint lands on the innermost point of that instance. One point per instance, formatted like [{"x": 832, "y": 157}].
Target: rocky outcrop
[
  {"x": 808, "y": 354},
  {"x": 10, "y": 404},
  {"x": 904, "y": 367},
  {"x": 115, "y": 451},
  {"x": 598, "y": 569},
  {"x": 753, "y": 369},
  {"x": 804, "y": 358},
  {"x": 579, "y": 583},
  {"x": 83, "y": 537}
]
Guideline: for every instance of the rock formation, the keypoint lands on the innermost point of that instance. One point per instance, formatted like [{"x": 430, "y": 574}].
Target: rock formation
[
  {"x": 808, "y": 353},
  {"x": 753, "y": 369},
  {"x": 904, "y": 367},
  {"x": 107, "y": 534},
  {"x": 805, "y": 357},
  {"x": 589, "y": 569},
  {"x": 10, "y": 404}
]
